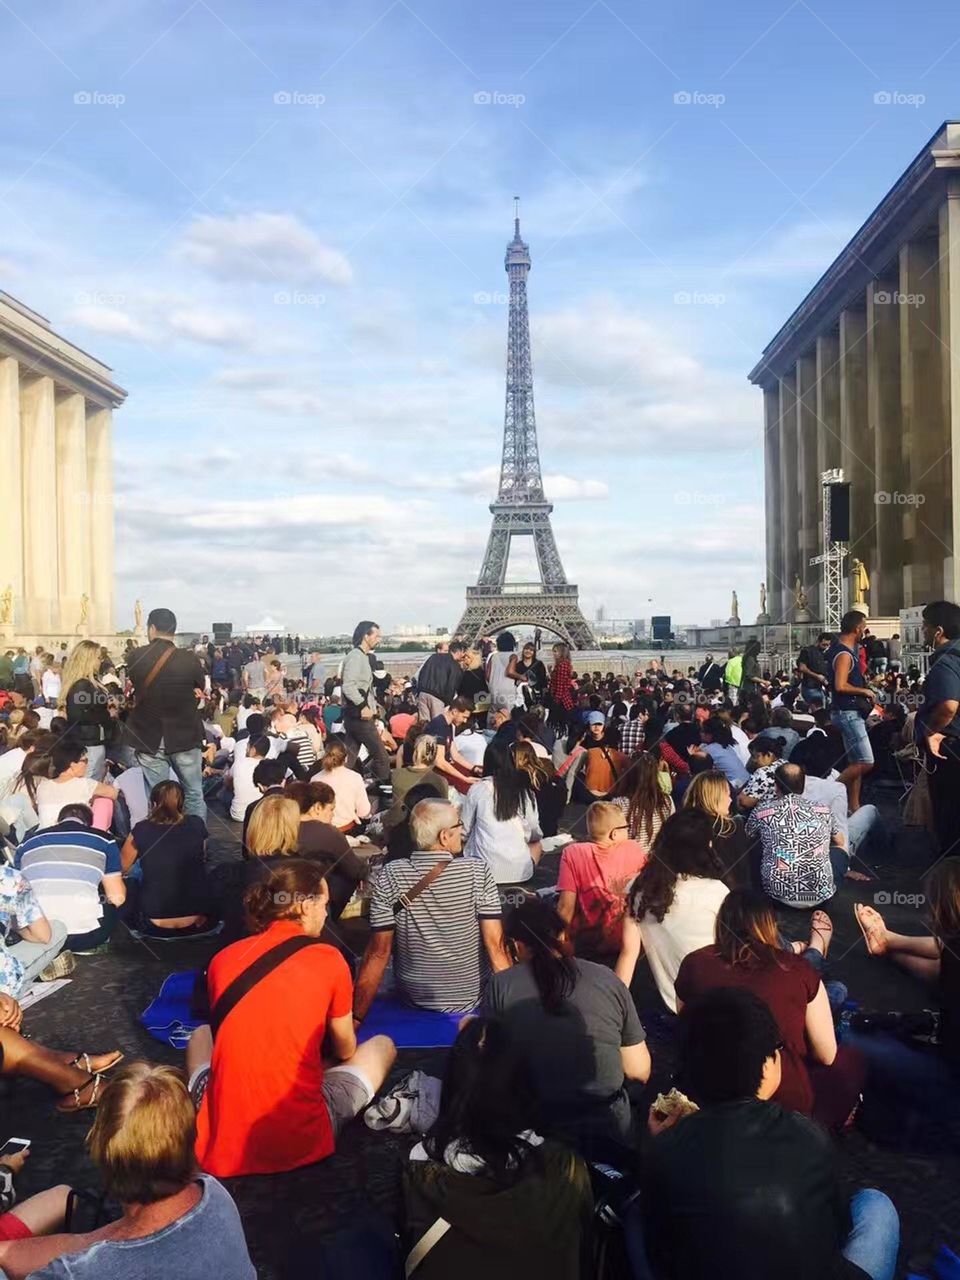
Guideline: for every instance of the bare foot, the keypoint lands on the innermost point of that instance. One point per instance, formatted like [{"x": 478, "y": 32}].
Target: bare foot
[
  {"x": 821, "y": 932},
  {"x": 872, "y": 927}
]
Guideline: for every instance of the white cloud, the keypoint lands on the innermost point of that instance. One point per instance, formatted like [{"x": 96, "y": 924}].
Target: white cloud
[
  {"x": 806, "y": 248},
  {"x": 262, "y": 246},
  {"x": 244, "y": 378},
  {"x": 209, "y": 326},
  {"x": 108, "y": 321},
  {"x": 564, "y": 488}
]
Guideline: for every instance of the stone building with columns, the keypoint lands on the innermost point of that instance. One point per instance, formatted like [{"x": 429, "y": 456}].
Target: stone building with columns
[
  {"x": 57, "y": 508},
  {"x": 865, "y": 375}
]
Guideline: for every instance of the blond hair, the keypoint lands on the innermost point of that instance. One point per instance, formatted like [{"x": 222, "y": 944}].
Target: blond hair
[
  {"x": 143, "y": 1137},
  {"x": 601, "y": 817},
  {"x": 274, "y": 827},
  {"x": 706, "y": 793},
  {"x": 82, "y": 664}
]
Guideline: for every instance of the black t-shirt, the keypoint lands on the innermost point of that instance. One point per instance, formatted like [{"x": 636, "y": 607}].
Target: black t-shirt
[
  {"x": 441, "y": 729},
  {"x": 745, "y": 1189},
  {"x": 324, "y": 843},
  {"x": 171, "y": 859},
  {"x": 813, "y": 657}
]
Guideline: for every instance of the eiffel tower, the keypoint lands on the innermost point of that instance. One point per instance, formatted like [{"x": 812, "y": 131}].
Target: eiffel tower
[{"x": 521, "y": 510}]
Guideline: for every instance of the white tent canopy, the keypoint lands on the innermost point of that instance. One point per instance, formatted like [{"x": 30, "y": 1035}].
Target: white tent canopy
[{"x": 268, "y": 627}]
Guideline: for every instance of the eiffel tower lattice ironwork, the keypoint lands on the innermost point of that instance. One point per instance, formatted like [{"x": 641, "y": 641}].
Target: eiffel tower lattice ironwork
[{"x": 521, "y": 509}]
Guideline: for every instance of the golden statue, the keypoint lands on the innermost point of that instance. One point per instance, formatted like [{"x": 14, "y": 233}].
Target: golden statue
[
  {"x": 799, "y": 596},
  {"x": 734, "y": 606},
  {"x": 860, "y": 581},
  {"x": 6, "y": 605},
  {"x": 138, "y": 615},
  {"x": 84, "y": 613}
]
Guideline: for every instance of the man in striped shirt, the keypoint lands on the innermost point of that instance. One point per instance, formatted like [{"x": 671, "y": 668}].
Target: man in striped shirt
[
  {"x": 66, "y": 865},
  {"x": 448, "y": 938}
]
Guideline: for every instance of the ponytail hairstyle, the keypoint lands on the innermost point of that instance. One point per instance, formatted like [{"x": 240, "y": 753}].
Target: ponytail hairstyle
[
  {"x": 279, "y": 895},
  {"x": 334, "y": 756},
  {"x": 166, "y": 804},
  {"x": 511, "y": 786},
  {"x": 541, "y": 929}
]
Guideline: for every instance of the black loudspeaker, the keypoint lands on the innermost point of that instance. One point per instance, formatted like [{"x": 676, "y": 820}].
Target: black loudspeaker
[
  {"x": 661, "y": 627},
  {"x": 222, "y": 631},
  {"x": 838, "y": 496}
]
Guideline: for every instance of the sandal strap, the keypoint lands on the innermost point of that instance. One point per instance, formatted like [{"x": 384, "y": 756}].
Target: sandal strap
[
  {"x": 85, "y": 1059},
  {"x": 95, "y": 1080}
]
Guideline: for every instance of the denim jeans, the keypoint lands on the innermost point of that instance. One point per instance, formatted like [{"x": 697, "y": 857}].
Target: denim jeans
[
  {"x": 874, "y": 1240},
  {"x": 917, "y": 1084},
  {"x": 35, "y": 956},
  {"x": 187, "y": 765},
  {"x": 856, "y": 741},
  {"x": 859, "y": 826}
]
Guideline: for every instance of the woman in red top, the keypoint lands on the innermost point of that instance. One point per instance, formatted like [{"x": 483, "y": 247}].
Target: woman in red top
[
  {"x": 817, "y": 1077},
  {"x": 560, "y": 687},
  {"x": 265, "y": 1102}
]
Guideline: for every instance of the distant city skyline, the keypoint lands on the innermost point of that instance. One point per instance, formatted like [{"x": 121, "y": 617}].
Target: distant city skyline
[{"x": 283, "y": 228}]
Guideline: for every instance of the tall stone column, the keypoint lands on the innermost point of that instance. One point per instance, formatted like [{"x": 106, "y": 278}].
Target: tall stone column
[
  {"x": 73, "y": 508},
  {"x": 101, "y": 508},
  {"x": 39, "y": 469},
  {"x": 828, "y": 402},
  {"x": 883, "y": 408},
  {"x": 11, "y": 501},
  {"x": 950, "y": 364},
  {"x": 926, "y": 443},
  {"x": 772, "y": 501},
  {"x": 790, "y": 507},
  {"x": 856, "y": 439},
  {"x": 807, "y": 475}
]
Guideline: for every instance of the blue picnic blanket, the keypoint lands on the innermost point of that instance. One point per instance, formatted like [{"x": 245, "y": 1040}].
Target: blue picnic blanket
[{"x": 409, "y": 1028}]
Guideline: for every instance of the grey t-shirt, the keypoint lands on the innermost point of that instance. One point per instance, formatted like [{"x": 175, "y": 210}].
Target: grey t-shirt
[
  {"x": 207, "y": 1241},
  {"x": 573, "y": 1055}
]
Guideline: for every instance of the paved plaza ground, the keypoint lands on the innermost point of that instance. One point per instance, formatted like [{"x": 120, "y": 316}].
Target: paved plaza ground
[{"x": 100, "y": 1010}]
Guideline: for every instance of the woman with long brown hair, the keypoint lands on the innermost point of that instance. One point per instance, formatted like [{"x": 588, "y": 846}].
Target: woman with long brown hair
[
  {"x": 642, "y": 798},
  {"x": 817, "y": 1079},
  {"x": 736, "y": 851},
  {"x": 574, "y": 1025},
  {"x": 672, "y": 907},
  {"x": 163, "y": 859}
]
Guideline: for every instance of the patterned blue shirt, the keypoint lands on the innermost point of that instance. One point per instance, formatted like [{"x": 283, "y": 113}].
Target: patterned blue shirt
[{"x": 18, "y": 906}]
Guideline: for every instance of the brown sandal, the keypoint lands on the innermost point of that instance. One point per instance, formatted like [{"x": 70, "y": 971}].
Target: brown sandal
[{"x": 83, "y": 1060}]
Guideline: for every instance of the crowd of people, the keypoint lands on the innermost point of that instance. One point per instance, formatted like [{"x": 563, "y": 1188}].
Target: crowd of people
[{"x": 711, "y": 813}]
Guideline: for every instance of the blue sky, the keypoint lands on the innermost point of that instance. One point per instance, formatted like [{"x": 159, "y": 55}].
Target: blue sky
[{"x": 283, "y": 226}]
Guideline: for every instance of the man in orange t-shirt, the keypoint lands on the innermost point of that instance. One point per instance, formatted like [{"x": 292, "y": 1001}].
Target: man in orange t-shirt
[{"x": 594, "y": 879}]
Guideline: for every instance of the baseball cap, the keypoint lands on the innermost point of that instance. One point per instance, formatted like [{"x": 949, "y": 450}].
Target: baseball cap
[{"x": 595, "y": 717}]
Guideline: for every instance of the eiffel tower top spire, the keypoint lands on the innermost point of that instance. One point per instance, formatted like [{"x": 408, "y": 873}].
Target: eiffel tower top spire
[{"x": 520, "y": 479}]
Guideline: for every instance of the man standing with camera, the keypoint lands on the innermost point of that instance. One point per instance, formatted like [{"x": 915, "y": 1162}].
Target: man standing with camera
[
  {"x": 360, "y": 702},
  {"x": 937, "y": 727}
]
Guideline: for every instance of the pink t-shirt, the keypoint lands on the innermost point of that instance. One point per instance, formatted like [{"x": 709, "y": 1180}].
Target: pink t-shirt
[{"x": 600, "y": 878}]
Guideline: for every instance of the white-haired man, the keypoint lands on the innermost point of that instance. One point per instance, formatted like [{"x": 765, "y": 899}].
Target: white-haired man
[{"x": 439, "y": 914}]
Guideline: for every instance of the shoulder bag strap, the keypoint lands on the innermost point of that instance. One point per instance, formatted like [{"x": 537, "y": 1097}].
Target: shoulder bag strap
[
  {"x": 613, "y": 767},
  {"x": 157, "y": 667},
  {"x": 246, "y": 981},
  {"x": 433, "y": 1235},
  {"x": 423, "y": 884}
]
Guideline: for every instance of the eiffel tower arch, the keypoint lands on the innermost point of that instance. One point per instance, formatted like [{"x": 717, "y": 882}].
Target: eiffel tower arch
[{"x": 521, "y": 510}]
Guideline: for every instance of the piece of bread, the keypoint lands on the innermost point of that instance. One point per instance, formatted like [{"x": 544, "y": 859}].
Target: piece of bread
[{"x": 673, "y": 1103}]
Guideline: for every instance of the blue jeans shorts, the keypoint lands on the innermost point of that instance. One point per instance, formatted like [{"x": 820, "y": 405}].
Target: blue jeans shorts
[{"x": 856, "y": 743}]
